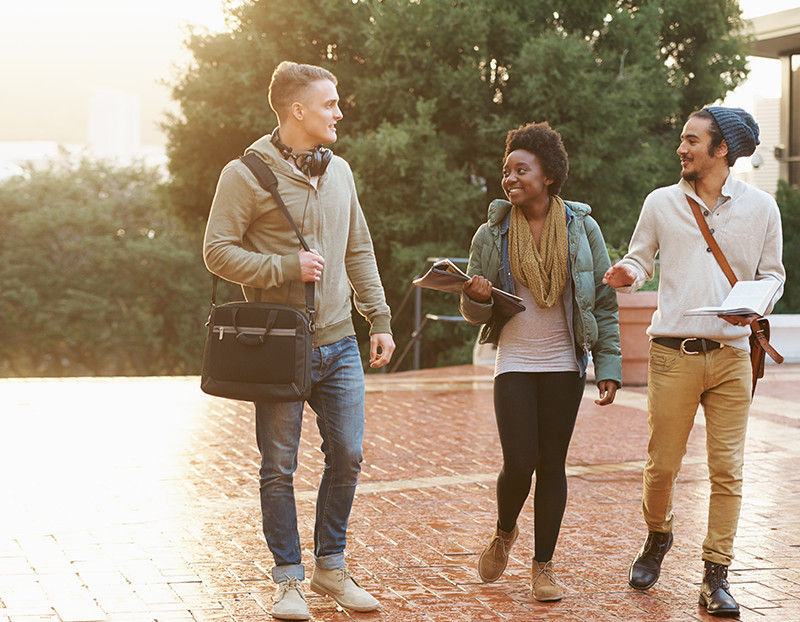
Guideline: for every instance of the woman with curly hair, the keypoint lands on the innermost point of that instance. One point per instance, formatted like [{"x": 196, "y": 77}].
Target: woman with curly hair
[{"x": 551, "y": 253}]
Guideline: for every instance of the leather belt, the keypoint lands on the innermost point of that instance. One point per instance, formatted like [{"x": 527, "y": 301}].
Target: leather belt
[{"x": 688, "y": 345}]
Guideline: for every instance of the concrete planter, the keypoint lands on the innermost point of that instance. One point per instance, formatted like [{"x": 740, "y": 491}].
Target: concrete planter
[
  {"x": 785, "y": 336},
  {"x": 635, "y": 314}
]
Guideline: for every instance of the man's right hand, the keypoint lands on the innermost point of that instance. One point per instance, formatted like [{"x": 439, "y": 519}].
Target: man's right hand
[
  {"x": 619, "y": 276},
  {"x": 311, "y": 263}
]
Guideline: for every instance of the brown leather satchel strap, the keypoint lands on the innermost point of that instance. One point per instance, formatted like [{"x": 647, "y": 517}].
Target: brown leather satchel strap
[
  {"x": 758, "y": 333},
  {"x": 712, "y": 243},
  {"x": 756, "y": 328}
]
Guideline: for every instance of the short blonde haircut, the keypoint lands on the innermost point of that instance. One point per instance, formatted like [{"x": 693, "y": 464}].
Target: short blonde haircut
[{"x": 289, "y": 81}]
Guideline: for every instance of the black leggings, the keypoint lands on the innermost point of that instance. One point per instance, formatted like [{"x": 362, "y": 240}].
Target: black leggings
[{"x": 536, "y": 415}]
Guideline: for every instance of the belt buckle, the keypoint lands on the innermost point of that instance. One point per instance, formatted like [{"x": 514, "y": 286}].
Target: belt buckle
[{"x": 683, "y": 346}]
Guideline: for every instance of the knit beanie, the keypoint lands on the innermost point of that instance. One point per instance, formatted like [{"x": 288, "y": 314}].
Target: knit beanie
[{"x": 739, "y": 129}]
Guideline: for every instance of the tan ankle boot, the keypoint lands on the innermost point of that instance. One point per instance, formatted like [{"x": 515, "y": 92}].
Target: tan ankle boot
[
  {"x": 342, "y": 587},
  {"x": 492, "y": 562},
  {"x": 544, "y": 585},
  {"x": 290, "y": 602}
]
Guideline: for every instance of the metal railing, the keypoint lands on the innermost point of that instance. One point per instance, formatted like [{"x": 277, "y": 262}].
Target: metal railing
[{"x": 421, "y": 322}]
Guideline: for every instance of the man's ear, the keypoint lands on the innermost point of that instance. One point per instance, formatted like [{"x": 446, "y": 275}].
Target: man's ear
[
  {"x": 297, "y": 111},
  {"x": 722, "y": 150}
]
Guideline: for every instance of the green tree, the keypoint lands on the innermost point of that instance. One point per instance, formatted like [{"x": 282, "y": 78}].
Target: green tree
[
  {"x": 789, "y": 202},
  {"x": 98, "y": 278},
  {"x": 430, "y": 90}
]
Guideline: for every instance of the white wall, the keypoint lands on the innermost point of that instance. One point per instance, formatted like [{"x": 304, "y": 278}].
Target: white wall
[
  {"x": 785, "y": 336},
  {"x": 767, "y": 113}
]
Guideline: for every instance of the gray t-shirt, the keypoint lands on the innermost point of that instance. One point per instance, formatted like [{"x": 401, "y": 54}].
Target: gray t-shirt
[{"x": 536, "y": 340}]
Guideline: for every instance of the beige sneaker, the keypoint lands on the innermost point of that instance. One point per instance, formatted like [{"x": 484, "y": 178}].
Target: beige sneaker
[
  {"x": 339, "y": 585},
  {"x": 494, "y": 559},
  {"x": 290, "y": 602},
  {"x": 544, "y": 585}
]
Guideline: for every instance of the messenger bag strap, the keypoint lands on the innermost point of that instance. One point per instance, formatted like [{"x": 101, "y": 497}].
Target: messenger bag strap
[
  {"x": 755, "y": 328},
  {"x": 269, "y": 182},
  {"x": 712, "y": 243},
  {"x": 760, "y": 335}
]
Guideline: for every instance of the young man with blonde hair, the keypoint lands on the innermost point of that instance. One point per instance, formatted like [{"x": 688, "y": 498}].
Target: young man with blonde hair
[{"x": 249, "y": 241}]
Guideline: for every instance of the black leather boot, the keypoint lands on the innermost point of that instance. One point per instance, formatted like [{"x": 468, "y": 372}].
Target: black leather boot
[
  {"x": 646, "y": 567},
  {"x": 715, "y": 593}
]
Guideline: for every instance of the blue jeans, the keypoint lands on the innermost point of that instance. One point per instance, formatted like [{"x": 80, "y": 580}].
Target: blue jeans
[{"x": 337, "y": 399}]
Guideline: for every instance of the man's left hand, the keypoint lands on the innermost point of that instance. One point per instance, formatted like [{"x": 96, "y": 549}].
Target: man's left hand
[
  {"x": 381, "y": 347},
  {"x": 738, "y": 320}
]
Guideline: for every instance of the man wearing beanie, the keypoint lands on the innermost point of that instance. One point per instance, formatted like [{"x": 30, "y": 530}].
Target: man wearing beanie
[{"x": 700, "y": 360}]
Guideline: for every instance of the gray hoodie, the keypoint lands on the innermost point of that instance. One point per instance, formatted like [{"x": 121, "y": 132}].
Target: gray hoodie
[{"x": 249, "y": 241}]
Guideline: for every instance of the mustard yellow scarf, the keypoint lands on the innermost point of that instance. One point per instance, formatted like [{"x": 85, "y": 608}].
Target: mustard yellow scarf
[{"x": 543, "y": 270}]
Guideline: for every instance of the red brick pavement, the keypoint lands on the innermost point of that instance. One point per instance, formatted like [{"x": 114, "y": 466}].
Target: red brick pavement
[{"x": 137, "y": 499}]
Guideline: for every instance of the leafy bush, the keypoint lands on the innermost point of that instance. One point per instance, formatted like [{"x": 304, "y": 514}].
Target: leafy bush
[
  {"x": 98, "y": 278},
  {"x": 789, "y": 203}
]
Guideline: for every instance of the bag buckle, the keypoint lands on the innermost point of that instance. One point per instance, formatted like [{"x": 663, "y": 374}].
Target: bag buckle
[{"x": 312, "y": 325}]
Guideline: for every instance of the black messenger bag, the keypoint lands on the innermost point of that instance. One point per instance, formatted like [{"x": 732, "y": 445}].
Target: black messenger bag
[{"x": 259, "y": 351}]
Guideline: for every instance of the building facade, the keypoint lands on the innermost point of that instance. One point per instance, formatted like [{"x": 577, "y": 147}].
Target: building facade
[{"x": 777, "y": 35}]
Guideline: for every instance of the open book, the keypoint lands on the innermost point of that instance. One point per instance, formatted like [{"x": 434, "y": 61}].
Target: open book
[
  {"x": 445, "y": 276},
  {"x": 746, "y": 298}
]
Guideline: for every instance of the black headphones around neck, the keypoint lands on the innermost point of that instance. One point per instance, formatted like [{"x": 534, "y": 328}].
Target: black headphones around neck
[{"x": 313, "y": 163}]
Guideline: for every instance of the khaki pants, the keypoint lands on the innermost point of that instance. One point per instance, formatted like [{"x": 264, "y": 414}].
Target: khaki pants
[{"x": 678, "y": 383}]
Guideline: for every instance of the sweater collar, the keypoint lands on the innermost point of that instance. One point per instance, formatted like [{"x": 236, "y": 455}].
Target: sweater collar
[{"x": 730, "y": 189}]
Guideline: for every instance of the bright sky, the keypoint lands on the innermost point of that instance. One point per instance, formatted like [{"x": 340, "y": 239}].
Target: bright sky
[
  {"x": 765, "y": 76},
  {"x": 55, "y": 52}
]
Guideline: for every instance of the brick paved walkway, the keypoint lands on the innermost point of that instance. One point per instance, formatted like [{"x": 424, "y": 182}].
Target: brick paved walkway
[{"x": 137, "y": 499}]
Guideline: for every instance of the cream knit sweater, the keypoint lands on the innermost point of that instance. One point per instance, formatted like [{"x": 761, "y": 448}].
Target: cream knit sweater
[{"x": 747, "y": 226}]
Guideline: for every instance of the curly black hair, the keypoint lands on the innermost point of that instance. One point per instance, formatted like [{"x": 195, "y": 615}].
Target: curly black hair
[{"x": 545, "y": 143}]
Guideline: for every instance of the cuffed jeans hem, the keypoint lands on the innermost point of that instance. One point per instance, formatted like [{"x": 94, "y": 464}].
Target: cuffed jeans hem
[
  {"x": 330, "y": 562},
  {"x": 289, "y": 571}
]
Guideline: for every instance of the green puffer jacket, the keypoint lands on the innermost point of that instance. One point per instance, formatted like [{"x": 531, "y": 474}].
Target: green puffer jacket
[{"x": 595, "y": 328}]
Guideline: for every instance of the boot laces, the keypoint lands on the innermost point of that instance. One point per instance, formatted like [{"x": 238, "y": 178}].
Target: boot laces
[
  {"x": 290, "y": 584},
  {"x": 344, "y": 575},
  {"x": 504, "y": 544},
  {"x": 548, "y": 571},
  {"x": 651, "y": 547},
  {"x": 717, "y": 577}
]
